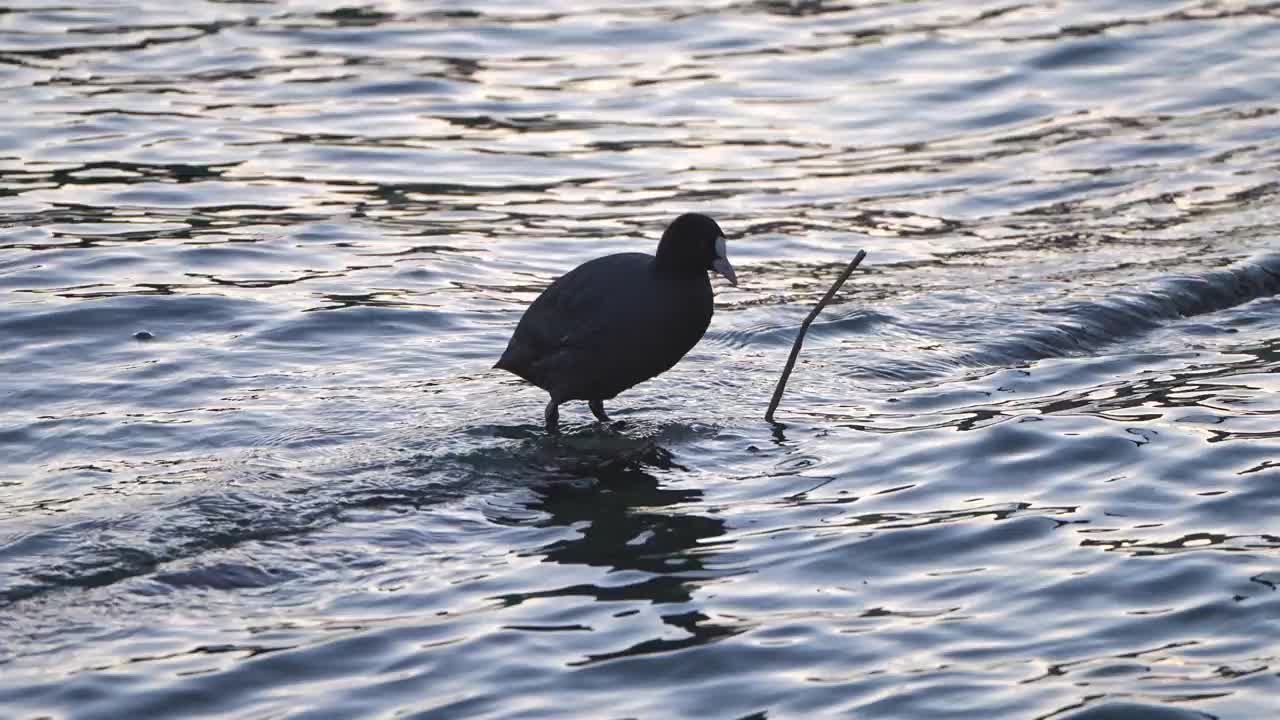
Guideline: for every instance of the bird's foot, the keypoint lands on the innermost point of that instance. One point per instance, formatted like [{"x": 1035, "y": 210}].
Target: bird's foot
[
  {"x": 551, "y": 416},
  {"x": 597, "y": 409}
]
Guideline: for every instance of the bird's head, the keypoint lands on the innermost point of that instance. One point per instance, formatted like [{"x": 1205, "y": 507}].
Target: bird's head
[{"x": 695, "y": 242}]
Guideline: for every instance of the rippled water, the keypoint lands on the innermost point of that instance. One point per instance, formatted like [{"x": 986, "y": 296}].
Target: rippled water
[{"x": 257, "y": 258}]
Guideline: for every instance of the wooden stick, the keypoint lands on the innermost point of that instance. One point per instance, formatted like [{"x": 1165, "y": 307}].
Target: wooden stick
[{"x": 804, "y": 328}]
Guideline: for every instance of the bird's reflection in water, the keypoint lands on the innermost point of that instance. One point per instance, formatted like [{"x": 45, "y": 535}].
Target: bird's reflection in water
[{"x": 627, "y": 520}]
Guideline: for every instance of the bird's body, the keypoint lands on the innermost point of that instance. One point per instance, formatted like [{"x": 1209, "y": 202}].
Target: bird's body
[
  {"x": 616, "y": 321},
  {"x": 584, "y": 341}
]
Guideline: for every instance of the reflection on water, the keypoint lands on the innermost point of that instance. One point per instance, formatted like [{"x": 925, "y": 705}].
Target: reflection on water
[
  {"x": 258, "y": 258},
  {"x": 623, "y": 523}
]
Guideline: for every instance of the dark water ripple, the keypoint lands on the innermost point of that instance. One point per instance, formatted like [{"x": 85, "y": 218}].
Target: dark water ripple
[{"x": 256, "y": 260}]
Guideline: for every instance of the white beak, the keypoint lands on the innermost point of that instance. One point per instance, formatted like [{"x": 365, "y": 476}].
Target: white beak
[{"x": 721, "y": 263}]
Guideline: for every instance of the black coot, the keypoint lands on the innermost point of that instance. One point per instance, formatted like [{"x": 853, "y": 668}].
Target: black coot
[{"x": 617, "y": 321}]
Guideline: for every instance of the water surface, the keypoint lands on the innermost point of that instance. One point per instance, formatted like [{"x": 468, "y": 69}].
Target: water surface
[{"x": 257, "y": 259}]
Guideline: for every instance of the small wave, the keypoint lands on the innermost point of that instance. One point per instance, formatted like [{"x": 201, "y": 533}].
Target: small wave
[
  {"x": 286, "y": 502},
  {"x": 783, "y": 334},
  {"x": 1083, "y": 327}
]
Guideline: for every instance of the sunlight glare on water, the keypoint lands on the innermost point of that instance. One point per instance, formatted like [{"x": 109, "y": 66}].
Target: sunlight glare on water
[{"x": 257, "y": 260}]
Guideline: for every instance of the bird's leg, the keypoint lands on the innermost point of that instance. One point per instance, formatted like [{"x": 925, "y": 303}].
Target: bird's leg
[
  {"x": 552, "y": 417},
  {"x": 597, "y": 409}
]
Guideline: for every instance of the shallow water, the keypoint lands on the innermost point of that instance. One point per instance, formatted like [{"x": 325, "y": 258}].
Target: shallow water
[{"x": 256, "y": 261}]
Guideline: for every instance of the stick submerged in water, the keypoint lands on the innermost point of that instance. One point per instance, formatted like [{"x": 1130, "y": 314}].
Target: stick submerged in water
[{"x": 804, "y": 328}]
